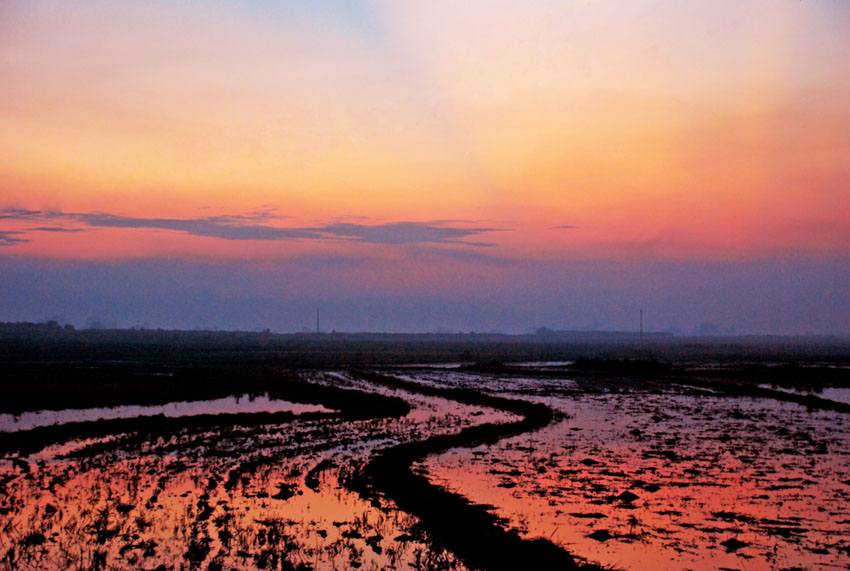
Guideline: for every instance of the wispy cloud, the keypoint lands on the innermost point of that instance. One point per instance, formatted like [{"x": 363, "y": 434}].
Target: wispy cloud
[
  {"x": 405, "y": 233},
  {"x": 21, "y": 214},
  {"x": 7, "y": 238},
  {"x": 255, "y": 226},
  {"x": 54, "y": 229},
  {"x": 223, "y": 227},
  {"x": 563, "y": 227}
]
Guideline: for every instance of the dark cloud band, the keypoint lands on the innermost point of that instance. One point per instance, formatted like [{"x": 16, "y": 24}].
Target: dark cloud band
[
  {"x": 8, "y": 238},
  {"x": 252, "y": 227}
]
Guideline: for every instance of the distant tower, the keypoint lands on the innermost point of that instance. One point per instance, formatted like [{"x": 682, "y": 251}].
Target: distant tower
[{"x": 317, "y": 321}]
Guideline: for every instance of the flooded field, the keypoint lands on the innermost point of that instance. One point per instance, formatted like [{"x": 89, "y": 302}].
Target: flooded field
[
  {"x": 242, "y": 404},
  {"x": 265, "y": 497},
  {"x": 671, "y": 478},
  {"x": 626, "y": 473}
]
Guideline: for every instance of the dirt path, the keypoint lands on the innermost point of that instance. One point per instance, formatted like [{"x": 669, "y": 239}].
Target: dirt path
[{"x": 468, "y": 530}]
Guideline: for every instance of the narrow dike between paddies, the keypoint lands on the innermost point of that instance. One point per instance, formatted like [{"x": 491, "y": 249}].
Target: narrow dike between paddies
[
  {"x": 469, "y": 530},
  {"x": 343, "y": 404}
]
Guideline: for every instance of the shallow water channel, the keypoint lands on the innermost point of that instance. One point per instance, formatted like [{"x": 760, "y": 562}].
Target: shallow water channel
[{"x": 242, "y": 404}]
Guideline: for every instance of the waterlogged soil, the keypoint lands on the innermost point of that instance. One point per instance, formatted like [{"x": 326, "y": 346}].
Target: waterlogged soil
[
  {"x": 261, "y": 497},
  {"x": 641, "y": 474},
  {"x": 631, "y": 474}
]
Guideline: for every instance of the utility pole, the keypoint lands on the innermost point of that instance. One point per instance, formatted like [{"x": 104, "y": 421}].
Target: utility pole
[{"x": 641, "y": 325}]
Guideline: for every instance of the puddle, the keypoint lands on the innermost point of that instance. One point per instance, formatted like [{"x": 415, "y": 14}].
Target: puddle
[
  {"x": 227, "y": 405},
  {"x": 837, "y": 394}
]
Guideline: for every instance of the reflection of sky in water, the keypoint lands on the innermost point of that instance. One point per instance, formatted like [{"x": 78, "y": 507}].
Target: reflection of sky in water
[
  {"x": 705, "y": 469},
  {"x": 836, "y": 394},
  {"x": 217, "y": 496},
  {"x": 227, "y": 405},
  {"x": 448, "y": 365},
  {"x": 542, "y": 364},
  {"x": 520, "y": 385}
]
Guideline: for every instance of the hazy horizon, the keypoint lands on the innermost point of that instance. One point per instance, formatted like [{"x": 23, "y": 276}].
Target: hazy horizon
[{"x": 182, "y": 294}]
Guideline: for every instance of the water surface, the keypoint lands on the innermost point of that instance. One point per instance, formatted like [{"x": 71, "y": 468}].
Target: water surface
[{"x": 226, "y": 405}]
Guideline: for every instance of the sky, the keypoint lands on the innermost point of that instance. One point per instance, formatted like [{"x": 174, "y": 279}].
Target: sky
[{"x": 423, "y": 166}]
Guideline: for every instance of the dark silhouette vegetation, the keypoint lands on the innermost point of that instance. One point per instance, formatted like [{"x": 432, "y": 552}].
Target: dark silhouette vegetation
[
  {"x": 55, "y": 386},
  {"x": 53, "y": 342}
]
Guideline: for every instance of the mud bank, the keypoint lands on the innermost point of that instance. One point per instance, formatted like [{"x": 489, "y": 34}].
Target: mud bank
[{"x": 350, "y": 404}]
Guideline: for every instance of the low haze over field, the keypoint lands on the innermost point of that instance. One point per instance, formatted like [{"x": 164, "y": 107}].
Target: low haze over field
[{"x": 427, "y": 165}]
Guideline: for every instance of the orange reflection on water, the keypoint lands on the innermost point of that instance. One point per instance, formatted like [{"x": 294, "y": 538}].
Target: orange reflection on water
[
  {"x": 269, "y": 497},
  {"x": 671, "y": 481}
]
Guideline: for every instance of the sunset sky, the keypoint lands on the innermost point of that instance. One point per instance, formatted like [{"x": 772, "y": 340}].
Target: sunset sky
[{"x": 413, "y": 166}]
